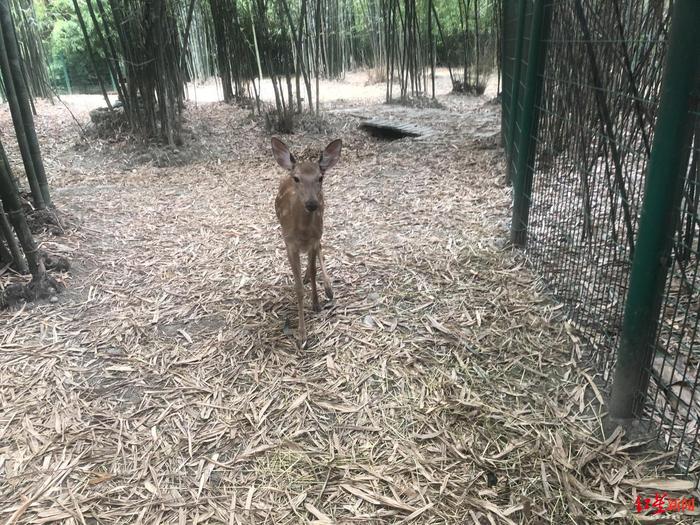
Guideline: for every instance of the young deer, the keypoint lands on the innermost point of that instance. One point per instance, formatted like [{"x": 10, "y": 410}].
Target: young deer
[{"x": 299, "y": 207}]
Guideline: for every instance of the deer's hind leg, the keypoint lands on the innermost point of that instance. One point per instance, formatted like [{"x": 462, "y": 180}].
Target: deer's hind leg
[
  {"x": 326, "y": 281},
  {"x": 307, "y": 275}
]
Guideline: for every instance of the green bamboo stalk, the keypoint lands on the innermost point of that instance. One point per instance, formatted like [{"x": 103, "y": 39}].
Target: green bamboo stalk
[
  {"x": 111, "y": 60},
  {"x": 13, "y": 206},
  {"x": 91, "y": 52},
  {"x": 23, "y": 99},
  {"x": 14, "y": 253},
  {"x": 18, "y": 120}
]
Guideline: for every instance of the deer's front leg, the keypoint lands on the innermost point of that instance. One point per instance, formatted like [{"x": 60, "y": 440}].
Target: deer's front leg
[
  {"x": 326, "y": 281},
  {"x": 311, "y": 270},
  {"x": 299, "y": 288}
]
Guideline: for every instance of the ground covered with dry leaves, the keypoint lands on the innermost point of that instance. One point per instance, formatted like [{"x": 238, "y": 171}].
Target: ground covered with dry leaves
[{"x": 165, "y": 385}]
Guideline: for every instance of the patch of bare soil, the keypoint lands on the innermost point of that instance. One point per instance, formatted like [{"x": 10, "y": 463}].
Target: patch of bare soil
[{"x": 440, "y": 387}]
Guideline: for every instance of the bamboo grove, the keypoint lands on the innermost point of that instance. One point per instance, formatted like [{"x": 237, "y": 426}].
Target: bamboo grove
[
  {"x": 146, "y": 51},
  {"x": 18, "y": 249}
]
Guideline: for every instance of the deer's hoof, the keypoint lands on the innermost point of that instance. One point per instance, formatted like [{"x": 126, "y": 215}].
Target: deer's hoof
[{"x": 329, "y": 292}]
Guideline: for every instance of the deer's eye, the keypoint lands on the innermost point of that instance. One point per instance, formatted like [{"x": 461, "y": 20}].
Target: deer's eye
[{"x": 296, "y": 179}]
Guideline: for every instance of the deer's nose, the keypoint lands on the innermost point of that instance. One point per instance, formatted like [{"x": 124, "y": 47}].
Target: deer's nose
[{"x": 311, "y": 205}]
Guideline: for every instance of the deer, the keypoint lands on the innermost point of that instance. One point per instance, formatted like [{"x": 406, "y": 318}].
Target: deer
[{"x": 299, "y": 207}]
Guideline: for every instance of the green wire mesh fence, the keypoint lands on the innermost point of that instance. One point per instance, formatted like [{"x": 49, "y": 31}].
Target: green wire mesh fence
[
  {"x": 592, "y": 153},
  {"x": 673, "y": 398},
  {"x": 601, "y": 81}
]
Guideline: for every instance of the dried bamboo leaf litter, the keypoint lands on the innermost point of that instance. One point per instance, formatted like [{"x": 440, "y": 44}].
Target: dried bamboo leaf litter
[{"x": 440, "y": 387}]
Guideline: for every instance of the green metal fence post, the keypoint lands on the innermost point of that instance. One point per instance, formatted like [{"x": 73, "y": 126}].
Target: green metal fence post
[
  {"x": 522, "y": 180},
  {"x": 513, "y": 102},
  {"x": 507, "y": 52},
  {"x": 65, "y": 75},
  {"x": 664, "y": 184}
]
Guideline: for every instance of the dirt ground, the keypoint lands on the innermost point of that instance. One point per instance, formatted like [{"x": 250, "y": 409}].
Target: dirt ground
[
  {"x": 355, "y": 87},
  {"x": 165, "y": 386}
]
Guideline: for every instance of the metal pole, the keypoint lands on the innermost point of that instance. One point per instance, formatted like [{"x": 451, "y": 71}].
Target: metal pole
[
  {"x": 513, "y": 102},
  {"x": 507, "y": 52},
  {"x": 522, "y": 180},
  {"x": 65, "y": 75},
  {"x": 664, "y": 184}
]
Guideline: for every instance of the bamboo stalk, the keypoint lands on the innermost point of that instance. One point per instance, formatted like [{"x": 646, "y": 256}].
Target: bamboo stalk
[
  {"x": 91, "y": 53},
  {"x": 14, "y": 253},
  {"x": 13, "y": 207},
  {"x": 17, "y": 114},
  {"x": 111, "y": 61}
]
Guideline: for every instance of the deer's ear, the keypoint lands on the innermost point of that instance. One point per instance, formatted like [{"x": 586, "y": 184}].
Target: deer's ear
[
  {"x": 330, "y": 155},
  {"x": 282, "y": 155}
]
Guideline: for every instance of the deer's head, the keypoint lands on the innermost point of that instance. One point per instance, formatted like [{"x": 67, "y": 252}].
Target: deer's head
[{"x": 307, "y": 176}]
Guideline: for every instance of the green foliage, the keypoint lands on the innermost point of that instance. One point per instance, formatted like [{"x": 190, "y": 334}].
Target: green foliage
[
  {"x": 67, "y": 52},
  {"x": 64, "y": 40}
]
